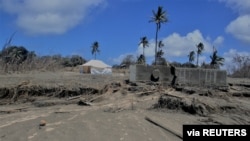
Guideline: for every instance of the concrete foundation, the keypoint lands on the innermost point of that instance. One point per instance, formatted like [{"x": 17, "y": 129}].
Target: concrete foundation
[{"x": 185, "y": 76}]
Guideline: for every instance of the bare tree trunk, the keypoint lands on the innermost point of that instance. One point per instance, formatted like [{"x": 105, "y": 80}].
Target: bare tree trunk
[
  {"x": 156, "y": 38},
  {"x": 197, "y": 60}
]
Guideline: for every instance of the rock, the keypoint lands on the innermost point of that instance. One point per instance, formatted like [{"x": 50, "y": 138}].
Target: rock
[{"x": 42, "y": 123}]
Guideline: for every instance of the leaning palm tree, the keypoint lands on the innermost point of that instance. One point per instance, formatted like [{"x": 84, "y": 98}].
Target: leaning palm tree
[
  {"x": 159, "y": 17},
  {"x": 200, "y": 48},
  {"x": 144, "y": 42},
  {"x": 95, "y": 48},
  {"x": 216, "y": 61},
  {"x": 191, "y": 56}
]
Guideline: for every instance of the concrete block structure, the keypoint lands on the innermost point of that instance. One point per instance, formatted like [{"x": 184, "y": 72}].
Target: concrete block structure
[{"x": 185, "y": 76}]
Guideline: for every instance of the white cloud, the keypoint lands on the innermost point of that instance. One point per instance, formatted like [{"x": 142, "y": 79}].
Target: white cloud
[
  {"x": 120, "y": 58},
  {"x": 240, "y": 6},
  {"x": 219, "y": 40},
  {"x": 48, "y": 16},
  {"x": 240, "y": 28},
  {"x": 178, "y": 47}
]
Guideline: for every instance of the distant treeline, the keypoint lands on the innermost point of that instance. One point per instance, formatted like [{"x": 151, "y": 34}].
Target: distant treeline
[{"x": 18, "y": 58}]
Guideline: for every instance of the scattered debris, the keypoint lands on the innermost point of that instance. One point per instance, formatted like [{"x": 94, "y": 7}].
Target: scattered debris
[
  {"x": 163, "y": 127},
  {"x": 14, "y": 110},
  {"x": 114, "y": 109},
  {"x": 83, "y": 103},
  {"x": 74, "y": 97},
  {"x": 191, "y": 106},
  {"x": 61, "y": 112}
]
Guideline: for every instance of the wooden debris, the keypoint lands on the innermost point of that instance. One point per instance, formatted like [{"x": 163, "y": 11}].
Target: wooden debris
[
  {"x": 163, "y": 127},
  {"x": 13, "y": 110},
  {"x": 74, "y": 97},
  {"x": 145, "y": 93},
  {"x": 61, "y": 112},
  {"x": 83, "y": 103},
  {"x": 93, "y": 99}
]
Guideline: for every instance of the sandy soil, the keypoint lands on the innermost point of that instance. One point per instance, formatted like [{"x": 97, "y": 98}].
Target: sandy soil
[{"x": 114, "y": 110}]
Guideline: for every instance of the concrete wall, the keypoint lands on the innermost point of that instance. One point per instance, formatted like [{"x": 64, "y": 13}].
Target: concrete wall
[
  {"x": 143, "y": 73},
  {"x": 185, "y": 76}
]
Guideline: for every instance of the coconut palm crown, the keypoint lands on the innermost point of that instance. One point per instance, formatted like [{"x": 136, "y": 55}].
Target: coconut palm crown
[
  {"x": 216, "y": 61},
  {"x": 200, "y": 48},
  {"x": 95, "y": 48},
  {"x": 191, "y": 56}
]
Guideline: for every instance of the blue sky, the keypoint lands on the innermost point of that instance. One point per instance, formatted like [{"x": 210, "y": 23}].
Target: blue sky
[{"x": 69, "y": 27}]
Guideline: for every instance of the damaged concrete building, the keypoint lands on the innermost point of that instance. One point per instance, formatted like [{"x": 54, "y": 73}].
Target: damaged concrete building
[{"x": 185, "y": 76}]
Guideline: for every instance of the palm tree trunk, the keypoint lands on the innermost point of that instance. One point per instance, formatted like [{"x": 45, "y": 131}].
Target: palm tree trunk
[
  {"x": 156, "y": 38},
  {"x": 197, "y": 59},
  {"x": 143, "y": 52}
]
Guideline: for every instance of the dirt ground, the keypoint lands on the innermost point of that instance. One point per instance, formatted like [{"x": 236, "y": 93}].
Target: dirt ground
[{"x": 63, "y": 106}]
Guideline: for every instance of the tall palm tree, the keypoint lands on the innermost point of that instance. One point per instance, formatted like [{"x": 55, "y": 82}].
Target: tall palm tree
[
  {"x": 144, "y": 43},
  {"x": 191, "y": 56},
  {"x": 200, "y": 48},
  {"x": 95, "y": 48},
  {"x": 158, "y": 18},
  {"x": 216, "y": 60}
]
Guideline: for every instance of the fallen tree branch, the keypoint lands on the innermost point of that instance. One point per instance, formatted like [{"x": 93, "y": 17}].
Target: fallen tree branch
[
  {"x": 96, "y": 97},
  {"x": 61, "y": 112},
  {"x": 74, "y": 97},
  {"x": 13, "y": 110},
  {"x": 146, "y": 93},
  {"x": 165, "y": 128}
]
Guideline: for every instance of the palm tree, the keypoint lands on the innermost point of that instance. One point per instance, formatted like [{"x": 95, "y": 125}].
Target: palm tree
[
  {"x": 160, "y": 53},
  {"x": 191, "y": 56},
  {"x": 160, "y": 44},
  {"x": 216, "y": 60},
  {"x": 200, "y": 48},
  {"x": 95, "y": 48},
  {"x": 141, "y": 59},
  {"x": 159, "y": 17},
  {"x": 16, "y": 55},
  {"x": 144, "y": 43}
]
